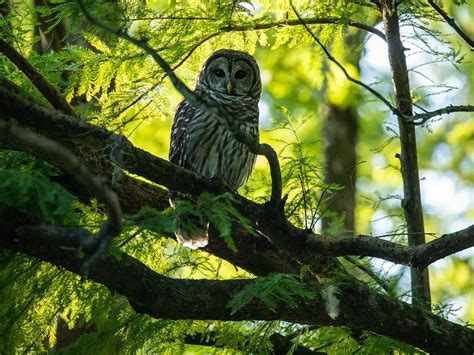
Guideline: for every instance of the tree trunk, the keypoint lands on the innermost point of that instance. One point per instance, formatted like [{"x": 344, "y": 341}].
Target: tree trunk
[
  {"x": 340, "y": 139},
  {"x": 411, "y": 203}
]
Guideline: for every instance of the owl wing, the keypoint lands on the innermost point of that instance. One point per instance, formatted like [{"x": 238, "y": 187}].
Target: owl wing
[{"x": 184, "y": 113}]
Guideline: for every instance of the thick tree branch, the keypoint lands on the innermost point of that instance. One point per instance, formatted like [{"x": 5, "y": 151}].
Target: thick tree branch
[
  {"x": 408, "y": 157},
  {"x": 419, "y": 256},
  {"x": 45, "y": 88},
  {"x": 163, "y": 297},
  {"x": 211, "y": 107},
  {"x": 305, "y": 245},
  {"x": 68, "y": 162},
  {"x": 92, "y": 143},
  {"x": 452, "y": 23}
]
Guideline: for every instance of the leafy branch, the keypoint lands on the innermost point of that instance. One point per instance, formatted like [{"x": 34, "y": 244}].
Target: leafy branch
[
  {"x": 69, "y": 163},
  {"x": 44, "y": 87},
  {"x": 343, "y": 69},
  {"x": 416, "y": 119}
]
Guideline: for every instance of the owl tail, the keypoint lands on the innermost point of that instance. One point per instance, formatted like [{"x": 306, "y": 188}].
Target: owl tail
[
  {"x": 198, "y": 239},
  {"x": 199, "y": 236}
]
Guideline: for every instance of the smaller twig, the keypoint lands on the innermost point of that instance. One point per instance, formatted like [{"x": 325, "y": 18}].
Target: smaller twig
[
  {"x": 68, "y": 162},
  {"x": 371, "y": 273},
  {"x": 451, "y": 22},
  {"x": 327, "y": 209},
  {"x": 184, "y": 18},
  {"x": 421, "y": 118},
  {"x": 45, "y": 88},
  {"x": 348, "y": 77},
  {"x": 313, "y": 217},
  {"x": 307, "y": 21},
  {"x": 180, "y": 63}
]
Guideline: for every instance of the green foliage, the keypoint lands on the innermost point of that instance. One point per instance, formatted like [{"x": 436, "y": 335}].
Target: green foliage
[
  {"x": 153, "y": 220},
  {"x": 342, "y": 340},
  {"x": 302, "y": 172},
  {"x": 33, "y": 195},
  {"x": 218, "y": 210},
  {"x": 271, "y": 290}
]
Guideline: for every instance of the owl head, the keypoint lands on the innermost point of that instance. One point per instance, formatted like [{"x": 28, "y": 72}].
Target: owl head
[{"x": 231, "y": 72}]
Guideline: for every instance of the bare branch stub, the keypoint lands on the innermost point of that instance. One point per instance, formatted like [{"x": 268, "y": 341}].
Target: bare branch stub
[
  {"x": 442, "y": 247},
  {"x": 210, "y": 106},
  {"x": 69, "y": 163}
]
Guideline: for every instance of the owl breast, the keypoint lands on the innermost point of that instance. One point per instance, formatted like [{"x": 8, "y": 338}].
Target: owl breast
[{"x": 212, "y": 151}]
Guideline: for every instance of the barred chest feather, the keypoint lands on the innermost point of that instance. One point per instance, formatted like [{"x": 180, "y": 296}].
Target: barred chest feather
[{"x": 211, "y": 151}]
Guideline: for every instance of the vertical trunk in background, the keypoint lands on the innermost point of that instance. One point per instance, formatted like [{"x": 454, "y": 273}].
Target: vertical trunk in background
[
  {"x": 411, "y": 203},
  {"x": 340, "y": 139}
]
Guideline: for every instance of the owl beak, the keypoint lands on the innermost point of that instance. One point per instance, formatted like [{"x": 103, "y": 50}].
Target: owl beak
[{"x": 229, "y": 87}]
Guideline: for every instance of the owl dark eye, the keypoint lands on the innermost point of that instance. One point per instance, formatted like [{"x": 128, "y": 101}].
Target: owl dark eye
[
  {"x": 219, "y": 73},
  {"x": 240, "y": 74}
]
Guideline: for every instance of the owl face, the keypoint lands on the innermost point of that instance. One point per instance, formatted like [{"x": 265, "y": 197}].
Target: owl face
[{"x": 233, "y": 73}]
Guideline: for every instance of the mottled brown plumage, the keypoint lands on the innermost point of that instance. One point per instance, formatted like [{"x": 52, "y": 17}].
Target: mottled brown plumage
[{"x": 201, "y": 144}]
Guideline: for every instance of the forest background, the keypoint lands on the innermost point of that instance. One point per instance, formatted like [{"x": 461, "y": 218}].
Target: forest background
[{"x": 337, "y": 143}]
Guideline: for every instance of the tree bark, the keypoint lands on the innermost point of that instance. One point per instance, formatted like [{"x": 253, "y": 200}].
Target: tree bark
[
  {"x": 340, "y": 139},
  {"x": 163, "y": 297},
  {"x": 411, "y": 203}
]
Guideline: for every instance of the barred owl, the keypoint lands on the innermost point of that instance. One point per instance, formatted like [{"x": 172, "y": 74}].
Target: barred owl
[{"x": 201, "y": 144}]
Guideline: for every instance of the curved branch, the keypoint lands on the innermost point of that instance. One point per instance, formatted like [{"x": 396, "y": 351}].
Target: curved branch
[
  {"x": 211, "y": 107},
  {"x": 45, "y": 88},
  {"x": 163, "y": 297},
  {"x": 69, "y": 163}
]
